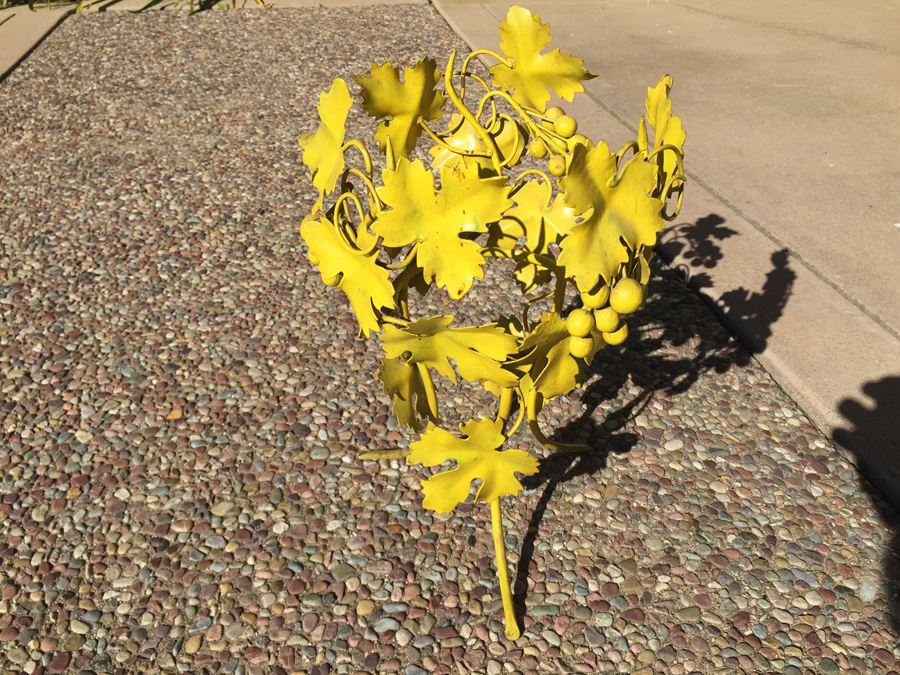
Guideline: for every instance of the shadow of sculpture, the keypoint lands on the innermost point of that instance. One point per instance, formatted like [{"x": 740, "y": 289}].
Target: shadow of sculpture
[
  {"x": 755, "y": 313},
  {"x": 873, "y": 437},
  {"x": 698, "y": 243},
  {"x": 750, "y": 314},
  {"x": 671, "y": 318}
]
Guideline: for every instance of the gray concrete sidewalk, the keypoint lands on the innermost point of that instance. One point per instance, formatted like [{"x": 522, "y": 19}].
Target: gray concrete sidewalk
[{"x": 791, "y": 222}]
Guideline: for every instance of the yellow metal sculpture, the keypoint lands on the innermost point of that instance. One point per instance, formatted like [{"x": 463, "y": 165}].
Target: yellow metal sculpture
[{"x": 588, "y": 223}]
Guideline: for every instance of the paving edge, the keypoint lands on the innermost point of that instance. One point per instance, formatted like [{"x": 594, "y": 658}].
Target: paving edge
[{"x": 18, "y": 45}]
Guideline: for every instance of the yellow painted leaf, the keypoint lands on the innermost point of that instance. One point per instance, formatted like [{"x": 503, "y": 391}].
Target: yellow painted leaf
[
  {"x": 544, "y": 222},
  {"x": 506, "y": 132},
  {"x": 322, "y": 149},
  {"x": 477, "y": 457},
  {"x": 530, "y": 271},
  {"x": 643, "y": 140},
  {"x": 492, "y": 388},
  {"x": 560, "y": 218},
  {"x": 366, "y": 284},
  {"x": 529, "y": 203},
  {"x": 643, "y": 269},
  {"x": 403, "y": 383},
  {"x": 666, "y": 127},
  {"x": 477, "y": 351},
  {"x": 545, "y": 359},
  {"x": 437, "y": 220},
  {"x": 402, "y": 102},
  {"x": 599, "y": 344},
  {"x": 594, "y": 248},
  {"x": 365, "y": 238},
  {"x": 532, "y": 74}
]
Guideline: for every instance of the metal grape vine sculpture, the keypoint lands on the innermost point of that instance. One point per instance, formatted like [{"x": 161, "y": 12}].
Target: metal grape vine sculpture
[{"x": 590, "y": 220}]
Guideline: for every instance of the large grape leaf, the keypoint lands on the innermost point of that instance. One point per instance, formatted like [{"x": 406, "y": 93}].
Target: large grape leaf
[
  {"x": 476, "y": 350},
  {"x": 476, "y": 457},
  {"x": 544, "y": 358},
  {"x": 404, "y": 102},
  {"x": 544, "y": 221},
  {"x": 531, "y": 74},
  {"x": 667, "y": 129},
  {"x": 366, "y": 284},
  {"x": 622, "y": 216},
  {"x": 403, "y": 383},
  {"x": 322, "y": 152},
  {"x": 466, "y": 203}
]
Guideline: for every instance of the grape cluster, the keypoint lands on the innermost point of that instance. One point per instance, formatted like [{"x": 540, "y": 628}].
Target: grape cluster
[
  {"x": 601, "y": 316},
  {"x": 560, "y": 135}
]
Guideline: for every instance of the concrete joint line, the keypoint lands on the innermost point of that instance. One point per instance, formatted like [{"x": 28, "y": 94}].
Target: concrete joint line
[{"x": 787, "y": 29}]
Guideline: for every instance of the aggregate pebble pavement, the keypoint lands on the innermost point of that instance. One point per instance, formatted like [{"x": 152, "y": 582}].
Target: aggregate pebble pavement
[{"x": 181, "y": 402}]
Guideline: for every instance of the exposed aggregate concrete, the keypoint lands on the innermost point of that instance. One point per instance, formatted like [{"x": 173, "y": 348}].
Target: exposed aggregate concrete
[{"x": 181, "y": 400}]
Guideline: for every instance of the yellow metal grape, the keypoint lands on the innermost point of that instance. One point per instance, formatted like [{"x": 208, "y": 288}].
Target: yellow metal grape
[
  {"x": 554, "y": 113},
  {"x": 580, "y": 347},
  {"x": 607, "y": 319},
  {"x": 579, "y": 323},
  {"x": 597, "y": 299},
  {"x": 557, "y": 166},
  {"x": 626, "y": 296},
  {"x": 537, "y": 148},
  {"x": 617, "y": 337},
  {"x": 565, "y": 126}
]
